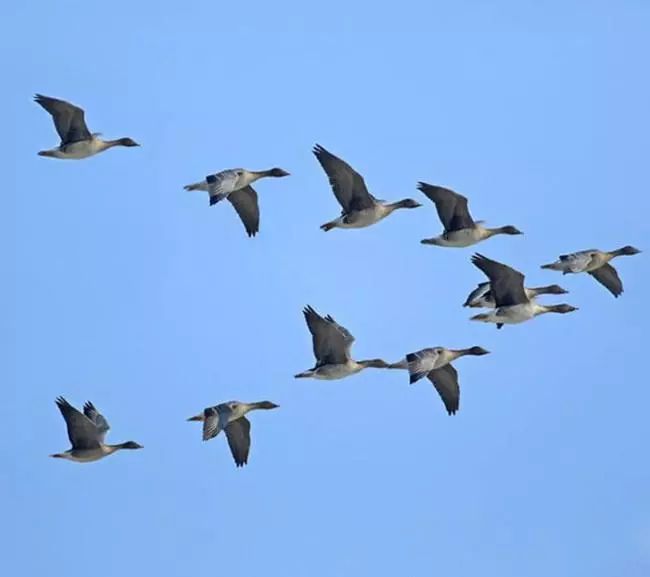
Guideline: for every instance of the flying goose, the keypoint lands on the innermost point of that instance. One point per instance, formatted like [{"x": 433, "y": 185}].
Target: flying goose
[
  {"x": 481, "y": 296},
  {"x": 435, "y": 364},
  {"x": 512, "y": 304},
  {"x": 77, "y": 141},
  {"x": 461, "y": 229},
  {"x": 86, "y": 432},
  {"x": 360, "y": 208},
  {"x": 422, "y": 362},
  {"x": 229, "y": 417},
  {"x": 332, "y": 344},
  {"x": 235, "y": 185},
  {"x": 596, "y": 263}
]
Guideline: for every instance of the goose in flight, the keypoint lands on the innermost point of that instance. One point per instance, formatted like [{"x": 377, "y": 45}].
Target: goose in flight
[
  {"x": 360, "y": 208},
  {"x": 230, "y": 418},
  {"x": 77, "y": 141},
  {"x": 332, "y": 344},
  {"x": 461, "y": 229},
  {"x": 86, "y": 432},
  {"x": 422, "y": 362},
  {"x": 435, "y": 364},
  {"x": 596, "y": 263},
  {"x": 235, "y": 185},
  {"x": 512, "y": 304}
]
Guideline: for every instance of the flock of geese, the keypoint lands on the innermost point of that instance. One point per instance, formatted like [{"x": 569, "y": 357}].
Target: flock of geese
[{"x": 503, "y": 294}]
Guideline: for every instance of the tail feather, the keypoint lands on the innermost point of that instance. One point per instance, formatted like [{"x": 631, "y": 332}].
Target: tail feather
[{"x": 195, "y": 186}]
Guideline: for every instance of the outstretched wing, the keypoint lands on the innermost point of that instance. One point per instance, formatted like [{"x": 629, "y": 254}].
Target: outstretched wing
[
  {"x": 607, "y": 276},
  {"x": 452, "y": 207},
  {"x": 82, "y": 432},
  {"x": 68, "y": 119},
  {"x": 348, "y": 185},
  {"x": 506, "y": 284},
  {"x": 445, "y": 380},
  {"x": 331, "y": 341},
  {"x": 238, "y": 434},
  {"x": 245, "y": 203},
  {"x": 98, "y": 419}
]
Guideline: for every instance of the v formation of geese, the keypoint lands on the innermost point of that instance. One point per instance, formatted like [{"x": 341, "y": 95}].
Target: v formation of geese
[{"x": 503, "y": 293}]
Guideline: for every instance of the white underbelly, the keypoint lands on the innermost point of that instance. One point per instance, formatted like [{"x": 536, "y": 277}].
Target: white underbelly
[
  {"x": 514, "y": 314},
  {"x": 460, "y": 238},
  {"x": 364, "y": 218},
  {"x": 333, "y": 372},
  {"x": 79, "y": 150},
  {"x": 87, "y": 456}
]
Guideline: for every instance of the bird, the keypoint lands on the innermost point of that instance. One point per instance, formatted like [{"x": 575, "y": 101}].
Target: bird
[
  {"x": 86, "y": 432},
  {"x": 422, "y": 362},
  {"x": 596, "y": 263},
  {"x": 332, "y": 344},
  {"x": 235, "y": 185},
  {"x": 230, "y": 417},
  {"x": 435, "y": 364},
  {"x": 512, "y": 304},
  {"x": 360, "y": 208},
  {"x": 481, "y": 296},
  {"x": 77, "y": 141},
  {"x": 460, "y": 229}
]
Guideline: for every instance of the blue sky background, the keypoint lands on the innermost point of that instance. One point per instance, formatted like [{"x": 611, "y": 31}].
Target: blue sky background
[{"x": 126, "y": 290}]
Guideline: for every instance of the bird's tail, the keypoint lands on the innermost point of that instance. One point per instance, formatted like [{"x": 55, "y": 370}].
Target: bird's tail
[
  {"x": 328, "y": 225},
  {"x": 195, "y": 186},
  {"x": 552, "y": 266}
]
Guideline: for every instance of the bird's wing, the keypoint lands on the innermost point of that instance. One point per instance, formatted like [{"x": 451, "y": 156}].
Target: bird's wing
[
  {"x": 245, "y": 202},
  {"x": 96, "y": 417},
  {"x": 238, "y": 434},
  {"x": 506, "y": 284},
  {"x": 68, "y": 119},
  {"x": 348, "y": 185},
  {"x": 221, "y": 184},
  {"x": 607, "y": 276},
  {"x": 82, "y": 432},
  {"x": 445, "y": 380},
  {"x": 213, "y": 419},
  {"x": 331, "y": 341},
  {"x": 481, "y": 291},
  {"x": 451, "y": 206}
]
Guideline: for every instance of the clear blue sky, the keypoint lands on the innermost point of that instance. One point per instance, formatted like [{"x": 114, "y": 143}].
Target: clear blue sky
[{"x": 124, "y": 289}]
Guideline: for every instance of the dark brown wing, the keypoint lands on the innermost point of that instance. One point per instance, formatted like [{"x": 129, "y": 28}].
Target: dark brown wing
[
  {"x": 100, "y": 421},
  {"x": 607, "y": 276},
  {"x": 68, "y": 119},
  {"x": 348, "y": 185},
  {"x": 245, "y": 202},
  {"x": 506, "y": 284},
  {"x": 331, "y": 341},
  {"x": 445, "y": 380},
  {"x": 239, "y": 440},
  {"x": 451, "y": 206},
  {"x": 82, "y": 432}
]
